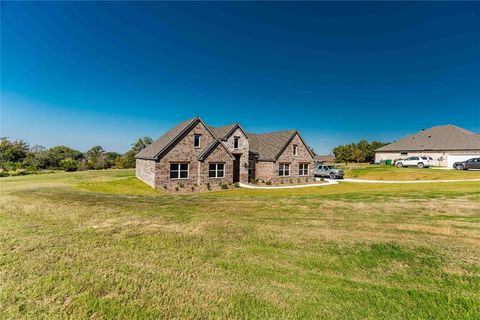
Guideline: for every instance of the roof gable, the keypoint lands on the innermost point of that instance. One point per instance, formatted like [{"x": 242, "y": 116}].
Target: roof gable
[
  {"x": 212, "y": 147},
  {"x": 290, "y": 140},
  {"x": 226, "y": 131},
  {"x": 447, "y": 137},
  {"x": 159, "y": 146},
  {"x": 269, "y": 146}
]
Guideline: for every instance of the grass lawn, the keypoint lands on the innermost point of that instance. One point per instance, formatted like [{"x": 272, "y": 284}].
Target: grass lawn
[
  {"x": 379, "y": 172},
  {"x": 102, "y": 245}
]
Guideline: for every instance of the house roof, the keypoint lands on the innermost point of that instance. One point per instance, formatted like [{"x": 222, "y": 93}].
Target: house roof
[
  {"x": 225, "y": 131},
  {"x": 325, "y": 158},
  {"x": 269, "y": 145},
  {"x": 221, "y": 132},
  {"x": 438, "y": 138},
  {"x": 159, "y": 145}
]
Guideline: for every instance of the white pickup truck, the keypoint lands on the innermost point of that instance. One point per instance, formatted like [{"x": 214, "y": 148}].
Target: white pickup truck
[{"x": 420, "y": 162}]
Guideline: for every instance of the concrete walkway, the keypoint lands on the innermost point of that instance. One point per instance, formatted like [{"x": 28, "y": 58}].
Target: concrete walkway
[
  {"x": 405, "y": 181},
  {"x": 327, "y": 182}
]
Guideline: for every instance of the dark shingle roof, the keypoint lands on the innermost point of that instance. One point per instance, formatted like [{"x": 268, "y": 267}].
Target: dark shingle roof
[
  {"x": 447, "y": 137},
  {"x": 221, "y": 132},
  {"x": 157, "y": 146},
  {"x": 269, "y": 145}
]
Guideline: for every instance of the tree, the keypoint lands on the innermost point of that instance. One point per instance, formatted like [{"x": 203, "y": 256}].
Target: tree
[
  {"x": 343, "y": 153},
  {"x": 128, "y": 159},
  {"x": 37, "y": 158},
  {"x": 141, "y": 144},
  {"x": 12, "y": 151},
  {"x": 96, "y": 158},
  {"x": 362, "y": 151},
  {"x": 111, "y": 158},
  {"x": 56, "y": 154},
  {"x": 69, "y": 164}
]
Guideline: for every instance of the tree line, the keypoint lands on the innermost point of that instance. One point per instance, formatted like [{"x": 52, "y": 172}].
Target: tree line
[
  {"x": 362, "y": 151},
  {"x": 18, "y": 158}
]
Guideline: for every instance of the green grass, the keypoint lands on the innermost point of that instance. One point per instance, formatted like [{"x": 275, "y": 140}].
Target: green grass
[
  {"x": 379, "y": 172},
  {"x": 102, "y": 245}
]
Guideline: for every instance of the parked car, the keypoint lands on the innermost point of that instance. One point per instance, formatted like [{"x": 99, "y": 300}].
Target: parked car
[
  {"x": 420, "y": 162},
  {"x": 331, "y": 172},
  {"x": 473, "y": 163}
]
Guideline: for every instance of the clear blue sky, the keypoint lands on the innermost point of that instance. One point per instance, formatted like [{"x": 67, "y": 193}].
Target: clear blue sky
[{"x": 81, "y": 74}]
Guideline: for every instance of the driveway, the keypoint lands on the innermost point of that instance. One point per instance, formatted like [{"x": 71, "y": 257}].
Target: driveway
[
  {"x": 327, "y": 182},
  {"x": 405, "y": 181}
]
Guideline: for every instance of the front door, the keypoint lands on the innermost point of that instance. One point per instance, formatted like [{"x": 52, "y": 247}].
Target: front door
[{"x": 236, "y": 168}]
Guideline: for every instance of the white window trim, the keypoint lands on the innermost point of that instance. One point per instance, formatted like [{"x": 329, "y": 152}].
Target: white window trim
[
  {"x": 303, "y": 170},
  {"x": 284, "y": 175},
  {"x": 216, "y": 170},
  {"x": 199, "y": 141},
  {"x": 179, "y": 178}
]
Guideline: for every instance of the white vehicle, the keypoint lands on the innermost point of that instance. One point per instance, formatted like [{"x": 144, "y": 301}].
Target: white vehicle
[{"x": 420, "y": 162}]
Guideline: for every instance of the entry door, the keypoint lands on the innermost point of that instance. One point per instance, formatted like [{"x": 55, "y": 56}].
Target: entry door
[{"x": 236, "y": 168}]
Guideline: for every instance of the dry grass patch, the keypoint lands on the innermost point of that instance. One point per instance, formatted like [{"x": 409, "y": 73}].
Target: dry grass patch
[{"x": 99, "y": 248}]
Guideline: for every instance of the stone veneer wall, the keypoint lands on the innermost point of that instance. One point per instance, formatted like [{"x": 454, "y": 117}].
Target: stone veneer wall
[
  {"x": 268, "y": 170},
  {"x": 183, "y": 152},
  {"x": 145, "y": 171},
  {"x": 218, "y": 155},
  {"x": 243, "y": 149}
]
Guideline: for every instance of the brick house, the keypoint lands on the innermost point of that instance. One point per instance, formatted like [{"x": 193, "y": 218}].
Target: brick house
[{"x": 193, "y": 153}]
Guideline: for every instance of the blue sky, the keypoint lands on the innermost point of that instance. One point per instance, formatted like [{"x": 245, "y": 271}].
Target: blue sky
[{"x": 82, "y": 74}]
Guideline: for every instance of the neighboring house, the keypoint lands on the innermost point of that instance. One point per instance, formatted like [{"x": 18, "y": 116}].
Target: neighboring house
[
  {"x": 445, "y": 144},
  {"x": 193, "y": 153},
  {"x": 327, "y": 158}
]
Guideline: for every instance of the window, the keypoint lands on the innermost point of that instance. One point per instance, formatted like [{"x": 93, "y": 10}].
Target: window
[
  {"x": 303, "y": 169},
  {"x": 403, "y": 153},
  {"x": 216, "y": 170},
  {"x": 178, "y": 170},
  {"x": 284, "y": 169},
  {"x": 295, "y": 150},
  {"x": 236, "y": 142},
  {"x": 197, "y": 138}
]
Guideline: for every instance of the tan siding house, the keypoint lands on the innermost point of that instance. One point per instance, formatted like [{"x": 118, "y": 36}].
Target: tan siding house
[{"x": 445, "y": 144}]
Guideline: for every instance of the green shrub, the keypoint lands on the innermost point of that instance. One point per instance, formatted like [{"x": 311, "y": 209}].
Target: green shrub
[
  {"x": 69, "y": 164},
  {"x": 209, "y": 187},
  {"x": 4, "y": 173},
  {"x": 19, "y": 172},
  {"x": 193, "y": 188},
  {"x": 268, "y": 183},
  {"x": 224, "y": 186},
  {"x": 236, "y": 185},
  {"x": 177, "y": 189},
  {"x": 182, "y": 185}
]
